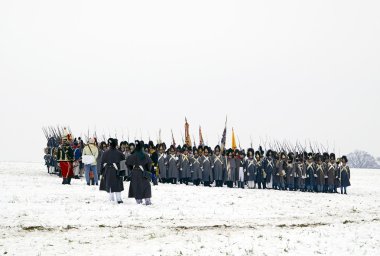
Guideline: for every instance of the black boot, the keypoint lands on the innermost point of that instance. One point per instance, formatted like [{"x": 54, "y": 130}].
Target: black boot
[
  {"x": 64, "y": 182},
  {"x": 68, "y": 181}
]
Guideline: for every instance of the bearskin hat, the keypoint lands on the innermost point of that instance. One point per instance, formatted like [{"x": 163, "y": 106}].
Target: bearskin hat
[
  {"x": 251, "y": 152},
  {"x": 344, "y": 159},
  {"x": 332, "y": 156}
]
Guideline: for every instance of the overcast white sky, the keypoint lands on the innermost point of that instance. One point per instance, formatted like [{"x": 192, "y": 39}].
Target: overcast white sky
[{"x": 283, "y": 69}]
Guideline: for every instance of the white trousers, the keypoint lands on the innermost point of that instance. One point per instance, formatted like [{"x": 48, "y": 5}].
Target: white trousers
[
  {"x": 241, "y": 174},
  {"x": 114, "y": 196}
]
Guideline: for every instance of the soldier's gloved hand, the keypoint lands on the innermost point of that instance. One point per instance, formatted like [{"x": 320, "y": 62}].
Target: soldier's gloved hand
[
  {"x": 247, "y": 174},
  {"x": 315, "y": 175}
]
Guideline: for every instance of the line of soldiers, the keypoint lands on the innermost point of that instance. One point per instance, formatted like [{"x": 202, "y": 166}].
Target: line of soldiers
[
  {"x": 312, "y": 172},
  {"x": 294, "y": 171}
]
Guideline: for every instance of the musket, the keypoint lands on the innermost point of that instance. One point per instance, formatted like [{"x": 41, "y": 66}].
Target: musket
[
  {"x": 173, "y": 141},
  {"x": 238, "y": 141},
  {"x": 183, "y": 142},
  {"x": 251, "y": 141},
  {"x": 195, "y": 145}
]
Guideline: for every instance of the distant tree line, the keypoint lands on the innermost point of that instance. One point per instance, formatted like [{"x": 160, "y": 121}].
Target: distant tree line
[{"x": 362, "y": 159}]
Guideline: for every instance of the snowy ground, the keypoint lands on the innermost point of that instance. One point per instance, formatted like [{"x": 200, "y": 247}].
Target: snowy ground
[{"x": 39, "y": 216}]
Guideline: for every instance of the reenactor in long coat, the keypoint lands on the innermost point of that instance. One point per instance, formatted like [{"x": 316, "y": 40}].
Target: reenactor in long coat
[
  {"x": 269, "y": 167},
  {"x": 196, "y": 169},
  {"x": 153, "y": 154},
  {"x": 237, "y": 164},
  {"x": 162, "y": 168},
  {"x": 184, "y": 166},
  {"x": 320, "y": 181},
  {"x": 141, "y": 164},
  {"x": 300, "y": 174},
  {"x": 326, "y": 160},
  {"x": 331, "y": 172},
  {"x": 110, "y": 181},
  {"x": 259, "y": 170},
  {"x": 250, "y": 167},
  {"x": 219, "y": 163},
  {"x": 275, "y": 170},
  {"x": 290, "y": 172},
  {"x": 242, "y": 170},
  {"x": 345, "y": 176},
  {"x": 172, "y": 162},
  {"x": 281, "y": 167},
  {"x": 207, "y": 166},
  {"x": 310, "y": 173},
  {"x": 337, "y": 176},
  {"x": 230, "y": 169}
]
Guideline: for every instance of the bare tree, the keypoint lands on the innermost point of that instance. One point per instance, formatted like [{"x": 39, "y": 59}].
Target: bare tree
[{"x": 362, "y": 159}]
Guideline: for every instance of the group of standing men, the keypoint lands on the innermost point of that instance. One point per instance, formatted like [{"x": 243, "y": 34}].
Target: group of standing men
[{"x": 293, "y": 171}]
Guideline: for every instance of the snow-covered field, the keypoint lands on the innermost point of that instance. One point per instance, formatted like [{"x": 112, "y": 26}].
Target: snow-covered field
[{"x": 39, "y": 216}]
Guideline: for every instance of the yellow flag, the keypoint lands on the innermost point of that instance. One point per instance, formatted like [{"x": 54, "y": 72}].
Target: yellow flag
[{"x": 233, "y": 140}]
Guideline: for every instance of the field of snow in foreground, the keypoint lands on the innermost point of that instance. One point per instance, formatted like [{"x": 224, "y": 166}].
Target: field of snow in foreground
[{"x": 39, "y": 216}]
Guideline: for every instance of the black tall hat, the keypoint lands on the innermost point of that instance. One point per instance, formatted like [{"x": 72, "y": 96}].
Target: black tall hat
[
  {"x": 112, "y": 142},
  {"x": 310, "y": 156},
  {"x": 269, "y": 153},
  {"x": 332, "y": 156},
  {"x": 250, "y": 151},
  {"x": 257, "y": 154},
  {"x": 344, "y": 159},
  {"x": 164, "y": 145},
  {"x": 151, "y": 144},
  {"x": 230, "y": 151},
  {"x": 326, "y": 156},
  {"x": 217, "y": 148}
]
